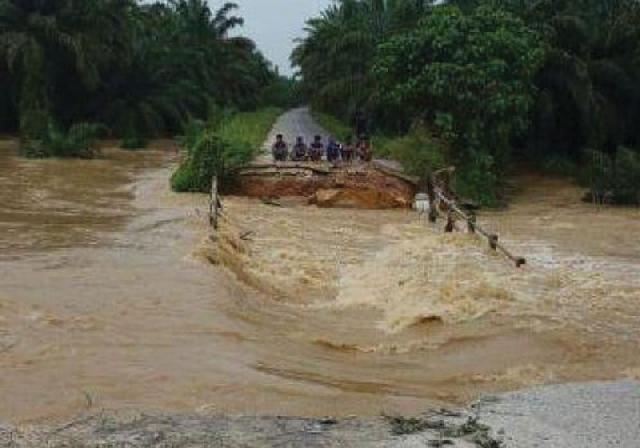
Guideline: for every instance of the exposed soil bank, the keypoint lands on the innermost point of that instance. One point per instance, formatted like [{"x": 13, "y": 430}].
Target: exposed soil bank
[{"x": 368, "y": 186}]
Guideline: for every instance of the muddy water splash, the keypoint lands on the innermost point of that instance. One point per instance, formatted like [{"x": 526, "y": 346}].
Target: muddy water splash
[{"x": 108, "y": 299}]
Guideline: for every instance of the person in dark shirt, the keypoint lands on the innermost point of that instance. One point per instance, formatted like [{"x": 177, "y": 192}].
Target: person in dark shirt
[
  {"x": 363, "y": 149},
  {"x": 279, "y": 149},
  {"x": 333, "y": 150},
  {"x": 348, "y": 150},
  {"x": 300, "y": 151},
  {"x": 317, "y": 149}
]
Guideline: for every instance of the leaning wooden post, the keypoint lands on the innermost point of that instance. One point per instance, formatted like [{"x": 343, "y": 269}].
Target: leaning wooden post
[
  {"x": 471, "y": 223},
  {"x": 451, "y": 224},
  {"x": 453, "y": 208},
  {"x": 433, "y": 213},
  {"x": 493, "y": 241},
  {"x": 213, "y": 203}
]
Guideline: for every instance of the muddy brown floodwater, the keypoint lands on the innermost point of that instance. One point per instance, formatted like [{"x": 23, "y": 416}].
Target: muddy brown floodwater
[{"x": 108, "y": 298}]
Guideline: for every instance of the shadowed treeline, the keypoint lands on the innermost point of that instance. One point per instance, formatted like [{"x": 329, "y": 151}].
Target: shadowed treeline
[
  {"x": 141, "y": 69},
  {"x": 486, "y": 85}
]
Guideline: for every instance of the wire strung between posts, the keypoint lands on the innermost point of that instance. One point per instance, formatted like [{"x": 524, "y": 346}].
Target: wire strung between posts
[{"x": 437, "y": 192}]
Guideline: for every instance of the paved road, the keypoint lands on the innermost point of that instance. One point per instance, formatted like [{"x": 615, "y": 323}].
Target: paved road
[
  {"x": 292, "y": 124},
  {"x": 299, "y": 122},
  {"x": 581, "y": 415}
]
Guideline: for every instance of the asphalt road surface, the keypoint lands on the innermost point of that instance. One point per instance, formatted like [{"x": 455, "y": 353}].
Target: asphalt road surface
[{"x": 291, "y": 124}]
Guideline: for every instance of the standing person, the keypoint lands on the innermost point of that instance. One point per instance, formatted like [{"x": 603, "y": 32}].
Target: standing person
[
  {"x": 300, "y": 151},
  {"x": 364, "y": 149},
  {"x": 317, "y": 149},
  {"x": 348, "y": 150},
  {"x": 279, "y": 149},
  {"x": 360, "y": 123},
  {"x": 333, "y": 150}
]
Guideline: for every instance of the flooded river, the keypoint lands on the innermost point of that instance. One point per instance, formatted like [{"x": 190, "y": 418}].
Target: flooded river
[{"x": 109, "y": 298}]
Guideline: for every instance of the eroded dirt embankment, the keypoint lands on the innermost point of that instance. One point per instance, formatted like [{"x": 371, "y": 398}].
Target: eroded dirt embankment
[
  {"x": 358, "y": 185},
  {"x": 379, "y": 184}
]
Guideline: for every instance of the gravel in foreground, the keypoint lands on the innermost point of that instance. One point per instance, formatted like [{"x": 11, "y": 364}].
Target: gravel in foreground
[{"x": 588, "y": 415}]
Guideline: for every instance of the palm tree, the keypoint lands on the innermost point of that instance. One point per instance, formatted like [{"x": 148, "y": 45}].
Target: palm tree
[
  {"x": 338, "y": 51},
  {"x": 39, "y": 37},
  {"x": 588, "y": 96},
  {"x": 182, "y": 61}
]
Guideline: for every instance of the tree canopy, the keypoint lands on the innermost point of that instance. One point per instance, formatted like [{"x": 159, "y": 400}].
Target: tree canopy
[
  {"x": 468, "y": 74},
  {"x": 492, "y": 79},
  {"x": 140, "y": 68}
]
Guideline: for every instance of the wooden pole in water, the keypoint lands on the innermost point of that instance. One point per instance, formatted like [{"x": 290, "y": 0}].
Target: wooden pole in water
[
  {"x": 433, "y": 213},
  {"x": 214, "y": 203},
  {"x": 471, "y": 223}
]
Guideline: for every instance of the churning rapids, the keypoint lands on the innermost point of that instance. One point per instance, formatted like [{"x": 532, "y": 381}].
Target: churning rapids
[{"x": 109, "y": 299}]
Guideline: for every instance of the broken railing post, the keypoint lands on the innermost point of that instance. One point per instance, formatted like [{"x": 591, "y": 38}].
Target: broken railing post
[
  {"x": 450, "y": 223},
  {"x": 433, "y": 213},
  {"x": 214, "y": 203},
  {"x": 471, "y": 223},
  {"x": 493, "y": 241}
]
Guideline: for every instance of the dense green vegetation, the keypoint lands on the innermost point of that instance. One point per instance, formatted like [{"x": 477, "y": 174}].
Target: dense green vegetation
[
  {"x": 220, "y": 147},
  {"x": 142, "y": 69},
  {"x": 336, "y": 127},
  {"x": 485, "y": 83},
  {"x": 53, "y": 142}
]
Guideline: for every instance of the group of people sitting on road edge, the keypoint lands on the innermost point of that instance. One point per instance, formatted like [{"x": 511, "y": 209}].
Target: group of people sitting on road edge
[{"x": 316, "y": 151}]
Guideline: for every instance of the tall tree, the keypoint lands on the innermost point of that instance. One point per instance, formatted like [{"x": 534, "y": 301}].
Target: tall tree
[
  {"x": 43, "y": 41},
  {"x": 141, "y": 68},
  {"x": 336, "y": 56}
]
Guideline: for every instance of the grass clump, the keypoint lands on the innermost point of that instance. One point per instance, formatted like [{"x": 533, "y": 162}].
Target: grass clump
[
  {"x": 50, "y": 141},
  {"x": 613, "y": 178},
  {"x": 332, "y": 125},
  {"x": 221, "y": 147},
  {"x": 250, "y": 128},
  {"x": 418, "y": 151},
  {"x": 205, "y": 158}
]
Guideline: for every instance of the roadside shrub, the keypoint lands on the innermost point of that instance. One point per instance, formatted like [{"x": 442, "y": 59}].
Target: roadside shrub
[
  {"x": 418, "y": 151},
  {"x": 248, "y": 128},
  {"x": 616, "y": 180},
  {"x": 53, "y": 142},
  {"x": 221, "y": 146},
  {"x": 210, "y": 154},
  {"x": 34, "y": 124},
  {"x": 333, "y": 125},
  {"x": 477, "y": 179},
  {"x": 203, "y": 161},
  {"x": 626, "y": 179},
  {"x": 191, "y": 132}
]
